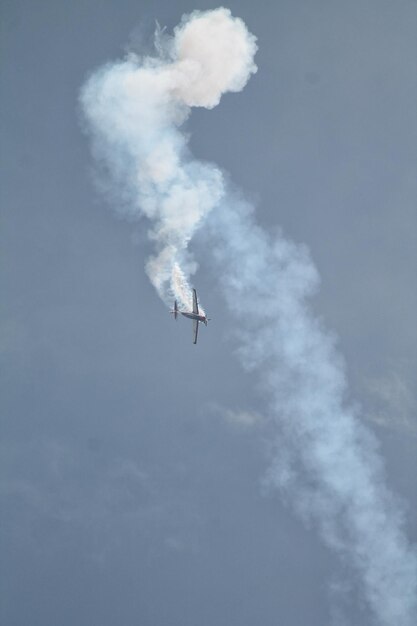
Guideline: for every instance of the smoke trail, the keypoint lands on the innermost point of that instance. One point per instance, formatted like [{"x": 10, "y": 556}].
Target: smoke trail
[
  {"x": 326, "y": 462},
  {"x": 134, "y": 109}
]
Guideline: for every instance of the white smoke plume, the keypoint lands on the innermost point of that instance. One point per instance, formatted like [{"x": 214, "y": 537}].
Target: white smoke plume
[
  {"x": 326, "y": 462},
  {"x": 134, "y": 109}
]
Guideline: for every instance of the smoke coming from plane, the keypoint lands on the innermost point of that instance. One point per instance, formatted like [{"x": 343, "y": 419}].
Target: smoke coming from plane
[
  {"x": 326, "y": 463},
  {"x": 135, "y": 108}
]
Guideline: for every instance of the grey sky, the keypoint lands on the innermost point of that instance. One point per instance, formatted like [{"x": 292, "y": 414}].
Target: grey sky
[{"x": 130, "y": 491}]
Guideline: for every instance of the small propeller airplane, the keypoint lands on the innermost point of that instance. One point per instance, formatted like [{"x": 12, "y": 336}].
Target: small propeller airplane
[{"x": 193, "y": 315}]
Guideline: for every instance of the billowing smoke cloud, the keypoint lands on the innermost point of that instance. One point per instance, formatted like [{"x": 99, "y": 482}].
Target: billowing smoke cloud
[
  {"x": 325, "y": 460},
  {"x": 134, "y": 109}
]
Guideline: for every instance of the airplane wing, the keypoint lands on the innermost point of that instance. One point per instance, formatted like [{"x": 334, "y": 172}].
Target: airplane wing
[
  {"x": 195, "y": 303},
  {"x": 195, "y": 330}
]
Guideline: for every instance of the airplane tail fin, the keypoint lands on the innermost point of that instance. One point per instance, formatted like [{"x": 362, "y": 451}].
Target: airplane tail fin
[{"x": 175, "y": 310}]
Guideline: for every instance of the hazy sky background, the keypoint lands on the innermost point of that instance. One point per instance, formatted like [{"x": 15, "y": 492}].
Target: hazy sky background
[{"x": 131, "y": 461}]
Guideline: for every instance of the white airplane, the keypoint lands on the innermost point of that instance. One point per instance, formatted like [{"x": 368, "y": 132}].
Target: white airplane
[{"x": 193, "y": 315}]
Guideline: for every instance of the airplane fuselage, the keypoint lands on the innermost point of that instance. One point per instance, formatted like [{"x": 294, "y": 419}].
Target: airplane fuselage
[{"x": 194, "y": 316}]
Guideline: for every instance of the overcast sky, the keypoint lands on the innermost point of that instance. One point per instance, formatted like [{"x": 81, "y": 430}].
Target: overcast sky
[{"x": 132, "y": 462}]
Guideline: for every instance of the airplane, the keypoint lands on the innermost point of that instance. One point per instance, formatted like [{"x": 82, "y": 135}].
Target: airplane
[{"x": 193, "y": 315}]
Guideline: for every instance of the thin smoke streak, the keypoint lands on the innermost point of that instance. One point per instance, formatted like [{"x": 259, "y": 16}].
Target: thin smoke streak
[{"x": 326, "y": 462}]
